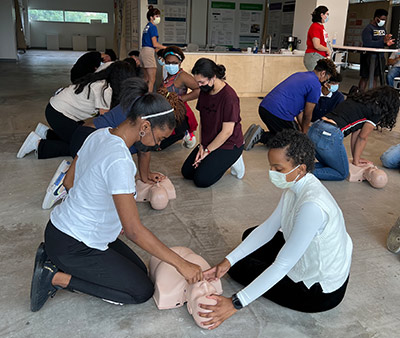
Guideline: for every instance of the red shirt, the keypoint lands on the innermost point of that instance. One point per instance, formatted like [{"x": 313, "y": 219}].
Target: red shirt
[
  {"x": 316, "y": 30},
  {"x": 217, "y": 109}
]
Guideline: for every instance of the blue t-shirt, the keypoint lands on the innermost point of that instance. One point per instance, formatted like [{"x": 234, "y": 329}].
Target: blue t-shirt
[
  {"x": 113, "y": 118},
  {"x": 289, "y": 98},
  {"x": 148, "y": 32}
]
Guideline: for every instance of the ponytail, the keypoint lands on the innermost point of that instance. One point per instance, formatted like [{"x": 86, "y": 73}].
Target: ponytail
[{"x": 209, "y": 69}]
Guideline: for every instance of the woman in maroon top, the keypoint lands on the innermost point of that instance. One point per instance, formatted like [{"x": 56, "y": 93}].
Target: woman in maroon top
[
  {"x": 221, "y": 143},
  {"x": 317, "y": 38}
]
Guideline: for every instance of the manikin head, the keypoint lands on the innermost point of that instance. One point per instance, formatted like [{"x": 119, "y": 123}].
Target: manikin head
[
  {"x": 171, "y": 289},
  {"x": 376, "y": 177}
]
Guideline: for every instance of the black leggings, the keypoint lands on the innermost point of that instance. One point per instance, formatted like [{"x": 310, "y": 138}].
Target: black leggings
[
  {"x": 274, "y": 124},
  {"x": 212, "y": 168},
  {"x": 116, "y": 274},
  {"x": 57, "y": 140},
  {"x": 295, "y": 296},
  {"x": 78, "y": 138}
]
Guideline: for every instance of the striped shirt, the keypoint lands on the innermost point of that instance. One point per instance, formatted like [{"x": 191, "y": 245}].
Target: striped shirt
[{"x": 350, "y": 116}]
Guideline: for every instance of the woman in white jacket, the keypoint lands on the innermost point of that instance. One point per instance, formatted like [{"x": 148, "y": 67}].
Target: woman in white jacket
[{"x": 300, "y": 256}]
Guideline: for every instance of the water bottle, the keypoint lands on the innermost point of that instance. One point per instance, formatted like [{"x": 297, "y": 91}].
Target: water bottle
[
  {"x": 263, "y": 48},
  {"x": 334, "y": 38},
  {"x": 255, "y": 47}
]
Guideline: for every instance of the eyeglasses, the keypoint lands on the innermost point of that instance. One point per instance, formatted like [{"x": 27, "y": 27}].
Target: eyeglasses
[{"x": 154, "y": 138}]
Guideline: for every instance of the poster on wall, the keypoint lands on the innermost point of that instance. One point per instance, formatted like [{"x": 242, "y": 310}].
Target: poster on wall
[
  {"x": 132, "y": 25},
  {"x": 250, "y": 24},
  {"x": 274, "y": 22},
  {"x": 222, "y": 23},
  {"x": 175, "y": 23}
]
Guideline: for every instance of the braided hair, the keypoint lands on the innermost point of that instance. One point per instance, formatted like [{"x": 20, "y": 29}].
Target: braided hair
[{"x": 175, "y": 102}]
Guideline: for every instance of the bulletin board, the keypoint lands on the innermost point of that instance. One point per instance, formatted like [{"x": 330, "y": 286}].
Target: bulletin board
[{"x": 235, "y": 23}]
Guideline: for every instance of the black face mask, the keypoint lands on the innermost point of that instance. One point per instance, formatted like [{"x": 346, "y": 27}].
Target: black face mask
[
  {"x": 206, "y": 88},
  {"x": 144, "y": 149}
]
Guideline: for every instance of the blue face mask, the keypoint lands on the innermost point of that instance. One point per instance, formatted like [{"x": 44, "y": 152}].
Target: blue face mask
[
  {"x": 327, "y": 19},
  {"x": 172, "y": 68},
  {"x": 161, "y": 62},
  {"x": 333, "y": 88}
]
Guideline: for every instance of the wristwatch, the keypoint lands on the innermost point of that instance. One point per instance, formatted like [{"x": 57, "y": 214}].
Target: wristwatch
[
  {"x": 207, "y": 150},
  {"x": 237, "y": 304}
]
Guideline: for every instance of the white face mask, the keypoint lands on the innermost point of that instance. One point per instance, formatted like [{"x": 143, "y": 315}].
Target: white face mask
[
  {"x": 279, "y": 179},
  {"x": 381, "y": 23},
  {"x": 157, "y": 20}
]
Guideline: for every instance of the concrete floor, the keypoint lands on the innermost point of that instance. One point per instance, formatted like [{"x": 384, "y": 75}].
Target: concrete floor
[{"x": 210, "y": 221}]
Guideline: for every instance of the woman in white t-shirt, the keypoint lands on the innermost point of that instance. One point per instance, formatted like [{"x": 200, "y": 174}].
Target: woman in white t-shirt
[
  {"x": 82, "y": 251},
  {"x": 300, "y": 256},
  {"x": 93, "y": 94}
]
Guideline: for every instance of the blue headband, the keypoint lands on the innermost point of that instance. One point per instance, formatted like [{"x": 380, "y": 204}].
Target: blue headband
[{"x": 174, "y": 54}]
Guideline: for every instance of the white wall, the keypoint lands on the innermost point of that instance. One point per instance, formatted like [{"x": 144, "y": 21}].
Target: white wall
[
  {"x": 38, "y": 30},
  {"x": 336, "y": 24},
  {"x": 198, "y": 26},
  {"x": 8, "y": 41}
]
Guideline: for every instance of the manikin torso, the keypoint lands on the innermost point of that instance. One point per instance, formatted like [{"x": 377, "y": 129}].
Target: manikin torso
[
  {"x": 171, "y": 289},
  {"x": 158, "y": 194},
  {"x": 376, "y": 177}
]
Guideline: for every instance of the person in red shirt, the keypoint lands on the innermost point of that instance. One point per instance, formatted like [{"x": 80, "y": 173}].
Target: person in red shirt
[{"x": 317, "y": 38}]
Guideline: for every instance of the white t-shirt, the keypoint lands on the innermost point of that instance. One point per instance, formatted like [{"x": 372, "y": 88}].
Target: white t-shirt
[
  {"x": 104, "y": 168},
  {"x": 80, "y": 107},
  {"x": 393, "y": 56}
]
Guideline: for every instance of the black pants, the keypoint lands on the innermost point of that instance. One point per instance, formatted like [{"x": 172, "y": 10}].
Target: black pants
[
  {"x": 274, "y": 124},
  {"x": 59, "y": 138},
  {"x": 295, "y": 296},
  {"x": 212, "y": 168},
  {"x": 116, "y": 274},
  {"x": 180, "y": 130},
  {"x": 78, "y": 137}
]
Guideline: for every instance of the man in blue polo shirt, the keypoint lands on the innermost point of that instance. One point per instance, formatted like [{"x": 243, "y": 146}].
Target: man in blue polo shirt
[{"x": 299, "y": 92}]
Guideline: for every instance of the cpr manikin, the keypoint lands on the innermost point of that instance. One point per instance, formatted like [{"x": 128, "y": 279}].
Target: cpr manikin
[
  {"x": 376, "y": 177},
  {"x": 172, "y": 291},
  {"x": 158, "y": 194}
]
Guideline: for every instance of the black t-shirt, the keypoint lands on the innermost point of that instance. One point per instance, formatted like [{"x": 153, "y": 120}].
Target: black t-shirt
[
  {"x": 87, "y": 63},
  {"x": 350, "y": 116}
]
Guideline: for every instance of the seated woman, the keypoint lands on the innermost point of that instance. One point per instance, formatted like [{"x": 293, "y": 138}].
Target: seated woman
[
  {"x": 358, "y": 116},
  {"x": 391, "y": 157},
  {"x": 82, "y": 251},
  {"x": 221, "y": 144},
  {"x": 133, "y": 88},
  {"x": 178, "y": 81},
  {"x": 300, "y": 256},
  {"x": 93, "y": 94}
]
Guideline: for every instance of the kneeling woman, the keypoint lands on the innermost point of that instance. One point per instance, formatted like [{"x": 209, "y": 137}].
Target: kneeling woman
[
  {"x": 306, "y": 265},
  {"x": 358, "y": 116},
  {"x": 221, "y": 144},
  {"x": 81, "y": 250}
]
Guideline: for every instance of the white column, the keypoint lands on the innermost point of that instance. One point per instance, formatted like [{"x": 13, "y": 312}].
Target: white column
[
  {"x": 336, "y": 24},
  {"x": 8, "y": 41}
]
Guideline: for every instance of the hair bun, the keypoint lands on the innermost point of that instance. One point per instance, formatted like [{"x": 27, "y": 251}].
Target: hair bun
[
  {"x": 150, "y": 7},
  {"x": 222, "y": 71}
]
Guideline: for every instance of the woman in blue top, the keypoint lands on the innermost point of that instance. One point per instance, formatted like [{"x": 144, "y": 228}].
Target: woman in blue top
[{"x": 149, "y": 44}]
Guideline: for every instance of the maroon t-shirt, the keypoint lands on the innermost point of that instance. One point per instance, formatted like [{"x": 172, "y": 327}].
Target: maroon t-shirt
[{"x": 217, "y": 109}]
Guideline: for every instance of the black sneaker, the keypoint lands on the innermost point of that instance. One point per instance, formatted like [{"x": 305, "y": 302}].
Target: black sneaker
[
  {"x": 43, "y": 273},
  {"x": 253, "y": 136}
]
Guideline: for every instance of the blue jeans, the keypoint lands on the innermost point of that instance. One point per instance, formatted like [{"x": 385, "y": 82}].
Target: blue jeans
[
  {"x": 393, "y": 72},
  {"x": 391, "y": 157},
  {"x": 330, "y": 152}
]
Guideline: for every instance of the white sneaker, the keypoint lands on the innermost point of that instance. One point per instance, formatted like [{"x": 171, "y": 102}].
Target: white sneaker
[
  {"x": 56, "y": 191},
  {"x": 41, "y": 130},
  {"x": 111, "y": 302},
  {"x": 238, "y": 168},
  {"x": 30, "y": 144},
  {"x": 189, "y": 140}
]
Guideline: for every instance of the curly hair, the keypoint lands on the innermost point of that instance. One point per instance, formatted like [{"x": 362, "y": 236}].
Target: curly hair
[
  {"x": 326, "y": 65},
  {"x": 175, "y": 102},
  {"x": 299, "y": 148},
  {"x": 383, "y": 101}
]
